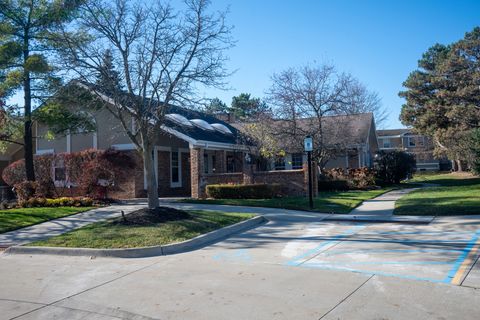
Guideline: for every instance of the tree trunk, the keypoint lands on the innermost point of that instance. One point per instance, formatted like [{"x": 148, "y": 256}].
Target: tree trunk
[
  {"x": 28, "y": 137},
  {"x": 459, "y": 165},
  {"x": 152, "y": 184}
]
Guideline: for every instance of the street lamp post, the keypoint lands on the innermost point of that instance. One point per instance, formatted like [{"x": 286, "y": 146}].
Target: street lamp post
[{"x": 308, "y": 145}]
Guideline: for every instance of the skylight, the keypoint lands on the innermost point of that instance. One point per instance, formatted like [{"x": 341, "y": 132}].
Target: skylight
[
  {"x": 202, "y": 124},
  {"x": 221, "y": 128},
  {"x": 179, "y": 119}
]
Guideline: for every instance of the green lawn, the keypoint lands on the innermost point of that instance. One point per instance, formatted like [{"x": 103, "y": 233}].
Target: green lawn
[
  {"x": 336, "y": 202},
  {"x": 12, "y": 219},
  {"x": 457, "y": 194},
  {"x": 114, "y": 234}
]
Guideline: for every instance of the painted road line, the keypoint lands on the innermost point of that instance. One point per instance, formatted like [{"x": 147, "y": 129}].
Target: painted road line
[
  {"x": 369, "y": 251},
  {"x": 333, "y": 263},
  {"x": 464, "y": 260},
  {"x": 457, "y": 280},
  {"x": 312, "y": 252},
  {"x": 369, "y": 272}
]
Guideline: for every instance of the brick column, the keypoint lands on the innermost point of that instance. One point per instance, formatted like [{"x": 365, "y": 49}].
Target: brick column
[
  {"x": 248, "y": 171},
  {"x": 196, "y": 173},
  {"x": 220, "y": 159}
]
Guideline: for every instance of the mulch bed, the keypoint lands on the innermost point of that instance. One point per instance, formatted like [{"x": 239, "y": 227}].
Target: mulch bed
[{"x": 145, "y": 217}]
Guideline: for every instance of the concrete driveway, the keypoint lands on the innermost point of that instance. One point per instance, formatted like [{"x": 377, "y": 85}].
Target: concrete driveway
[{"x": 295, "y": 267}]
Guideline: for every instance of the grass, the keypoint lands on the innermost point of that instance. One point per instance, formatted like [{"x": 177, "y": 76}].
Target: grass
[
  {"x": 12, "y": 219},
  {"x": 336, "y": 202},
  {"x": 457, "y": 194},
  {"x": 115, "y": 234}
]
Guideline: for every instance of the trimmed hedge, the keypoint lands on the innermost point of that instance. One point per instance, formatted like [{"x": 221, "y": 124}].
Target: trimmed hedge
[
  {"x": 58, "y": 202},
  {"x": 243, "y": 191},
  {"x": 333, "y": 185}
]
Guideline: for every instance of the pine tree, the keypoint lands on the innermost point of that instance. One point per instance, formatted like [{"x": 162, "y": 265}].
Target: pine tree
[
  {"x": 29, "y": 30},
  {"x": 108, "y": 79}
]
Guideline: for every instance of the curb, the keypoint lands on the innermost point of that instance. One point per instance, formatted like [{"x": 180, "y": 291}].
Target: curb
[
  {"x": 419, "y": 220},
  {"x": 143, "y": 252}
]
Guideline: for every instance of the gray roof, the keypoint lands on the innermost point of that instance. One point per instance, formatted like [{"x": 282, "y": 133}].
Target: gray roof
[
  {"x": 200, "y": 134},
  {"x": 392, "y": 132},
  {"x": 338, "y": 131}
]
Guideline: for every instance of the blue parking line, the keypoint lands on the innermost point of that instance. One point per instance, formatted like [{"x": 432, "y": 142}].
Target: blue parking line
[
  {"x": 384, "y": 262},
  {"x": 462, "y": 257},
  {"x": 380, "y": 273},
  {"x": 424, "y": 232},
  {"x": 294, "y": 261},
  {"x": 338, "y": 252}
]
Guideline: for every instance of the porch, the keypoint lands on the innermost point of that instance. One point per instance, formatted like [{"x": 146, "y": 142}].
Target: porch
[{"x": 185, "y": 172}]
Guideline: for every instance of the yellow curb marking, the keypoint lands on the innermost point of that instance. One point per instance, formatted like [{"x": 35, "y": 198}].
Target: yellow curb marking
[{"x": 466, "y": 263}]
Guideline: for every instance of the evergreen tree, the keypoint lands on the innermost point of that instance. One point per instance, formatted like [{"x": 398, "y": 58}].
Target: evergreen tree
[
  {"x": 443, "y": 96},
  {"x": 108, "y": 79},
  {"x": 28, "y": 32},
  {"x": 244, "y": 106},
  {"x": 217, "y": 106}
]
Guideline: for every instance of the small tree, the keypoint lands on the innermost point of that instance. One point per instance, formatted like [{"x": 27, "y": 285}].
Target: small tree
[{"x": 394, "y": 166}]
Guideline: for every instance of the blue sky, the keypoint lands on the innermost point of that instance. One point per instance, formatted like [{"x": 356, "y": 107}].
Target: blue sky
[{"x": 379, "y": 42}]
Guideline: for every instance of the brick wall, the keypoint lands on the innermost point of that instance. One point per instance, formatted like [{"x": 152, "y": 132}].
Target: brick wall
[
  {"x": 292, "y": 181},
  {"x": 223, "y": 178}
]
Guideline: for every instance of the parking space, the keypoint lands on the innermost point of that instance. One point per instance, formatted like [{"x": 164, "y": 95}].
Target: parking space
[{"x": 428, "y": 253}]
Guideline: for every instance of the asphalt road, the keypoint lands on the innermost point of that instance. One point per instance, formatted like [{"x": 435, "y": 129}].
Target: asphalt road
[{"x": 294, "y": 267}]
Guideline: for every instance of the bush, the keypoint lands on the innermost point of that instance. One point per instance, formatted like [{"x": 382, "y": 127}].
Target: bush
[
  {"x": 58, "y": 202},
  {"x": 93, "y": 171},
  {"x": 243, "y": 191},
  {"x": 14, "y": 173},
  {"x": 337, "y": 179},
  {"x": 393, "y": 166},
  {"x": 25, "y": 190},
  {"x": 362, "y": 178}
]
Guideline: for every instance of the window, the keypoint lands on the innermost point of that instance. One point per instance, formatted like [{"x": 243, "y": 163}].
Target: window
[
  {"x": 59, "y": 172},
  {"x": 386, "y": 143},
  {"x": 175, "y": 169},
  {"x": 280, "y": 163},
  {"x": 297, "y": 161},
  {"x": 230, "y": 164},
  {"x": 411, "y": 142},
  {"x": 205, "y": 163}
]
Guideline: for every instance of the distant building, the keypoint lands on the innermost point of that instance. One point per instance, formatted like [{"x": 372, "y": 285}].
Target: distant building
[{"x": 418, "y": 145}]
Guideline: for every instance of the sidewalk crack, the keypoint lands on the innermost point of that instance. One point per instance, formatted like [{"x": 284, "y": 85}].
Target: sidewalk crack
[{"x": 348, "y": 296}]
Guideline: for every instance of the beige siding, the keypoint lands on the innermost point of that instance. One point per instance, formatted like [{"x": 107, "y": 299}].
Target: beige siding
[
  {"x": 171, "y": 141},
  {"x": 58, "y": 145},
  {"x": 110, "y": 130},
  {"x": 82, "y": 141}
]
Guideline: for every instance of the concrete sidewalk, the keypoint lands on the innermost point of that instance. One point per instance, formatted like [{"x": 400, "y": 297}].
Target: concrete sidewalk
[
  {"x": 57, "y": 227},
  {"x": 380, "y": 209}
]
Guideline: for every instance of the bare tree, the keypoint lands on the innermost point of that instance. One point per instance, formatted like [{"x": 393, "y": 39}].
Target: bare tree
[
  {"x": 304, "y": 97},
  {"x": 161, "y": 56},
  {"x": 358, "y": 99}
]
